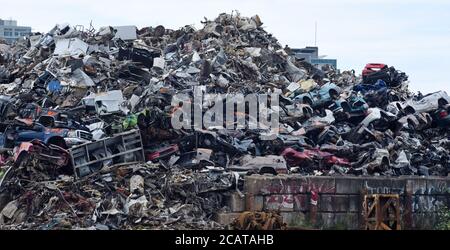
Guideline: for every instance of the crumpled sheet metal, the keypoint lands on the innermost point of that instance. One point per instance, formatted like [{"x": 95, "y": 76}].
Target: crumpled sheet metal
[
  {"x": 109, "y": 85},
  {"x": 126, "y": 197}
]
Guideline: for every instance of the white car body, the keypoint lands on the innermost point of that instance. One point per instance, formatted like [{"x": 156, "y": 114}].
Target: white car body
[
  {"x": 428, "y": 103},
  {"x": 375, "y": 114}
]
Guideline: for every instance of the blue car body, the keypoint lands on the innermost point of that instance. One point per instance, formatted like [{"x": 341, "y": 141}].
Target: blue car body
[
  {"x": 379, "y": 86},
  {"x": 14, "y": 136},
  {"x": 319, "y": 97},
  {"x": 354, "y": 106},
  {"x": 374, "y": 94}
]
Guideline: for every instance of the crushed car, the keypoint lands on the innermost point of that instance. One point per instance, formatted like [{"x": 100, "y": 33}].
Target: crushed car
[{"x": 320, "y": 97}]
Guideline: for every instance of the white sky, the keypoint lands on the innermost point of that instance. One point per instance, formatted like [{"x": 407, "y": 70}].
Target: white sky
[{"x": 412, "y": 35}]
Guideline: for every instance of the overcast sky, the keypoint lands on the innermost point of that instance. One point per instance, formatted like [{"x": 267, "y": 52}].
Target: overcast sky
[{"x": 413, "y": 36}]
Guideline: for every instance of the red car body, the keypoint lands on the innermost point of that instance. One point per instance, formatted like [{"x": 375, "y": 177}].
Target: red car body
[
  {"x": 372, "y": 67},
  {"x": 162, "y": 153},
  {"x": 294, "y": 157}
]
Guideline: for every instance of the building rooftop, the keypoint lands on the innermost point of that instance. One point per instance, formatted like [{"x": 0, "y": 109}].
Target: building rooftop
[{"x": 10, "y": 31}]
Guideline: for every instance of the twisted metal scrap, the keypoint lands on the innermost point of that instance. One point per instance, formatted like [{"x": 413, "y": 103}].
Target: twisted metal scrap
[{"x": 258, "y": 221}]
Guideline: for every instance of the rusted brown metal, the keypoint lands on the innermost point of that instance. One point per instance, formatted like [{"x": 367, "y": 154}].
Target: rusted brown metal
[
  {"x": 382, "y": 212},
  {"x": 258, "y": 221}
]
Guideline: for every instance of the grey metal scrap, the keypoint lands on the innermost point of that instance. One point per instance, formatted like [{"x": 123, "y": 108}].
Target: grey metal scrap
[{"x": 110, "y": 97}]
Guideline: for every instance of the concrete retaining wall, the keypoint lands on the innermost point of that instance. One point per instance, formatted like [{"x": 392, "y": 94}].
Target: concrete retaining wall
[{"x": 336, "y": 202}]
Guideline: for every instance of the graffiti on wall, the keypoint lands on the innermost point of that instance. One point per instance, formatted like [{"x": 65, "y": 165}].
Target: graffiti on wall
[
  {"x": 284, "y": 202},
  {"x": 295, "y": 193},
  {"x": 382, "y": 189},
  {"x": 299, "y": 186},
  {"x": 430, "y": 199}
]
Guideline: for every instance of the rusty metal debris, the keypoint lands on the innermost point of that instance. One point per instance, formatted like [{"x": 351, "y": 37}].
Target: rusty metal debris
[
  {"x": 382, "y": 212},
  {"x": 127, "y": 196},
  {"x": 258, "y": 221}
]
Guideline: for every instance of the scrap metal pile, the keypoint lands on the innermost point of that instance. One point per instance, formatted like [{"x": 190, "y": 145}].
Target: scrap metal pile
[
  {"x": 258, "y": 221},
  {"x": 87, "y": 141}
]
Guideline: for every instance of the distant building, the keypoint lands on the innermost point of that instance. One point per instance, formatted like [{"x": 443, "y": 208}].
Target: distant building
[
  {"x": 311, "y": 55},
  {"x": 10, "y": 32}
]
